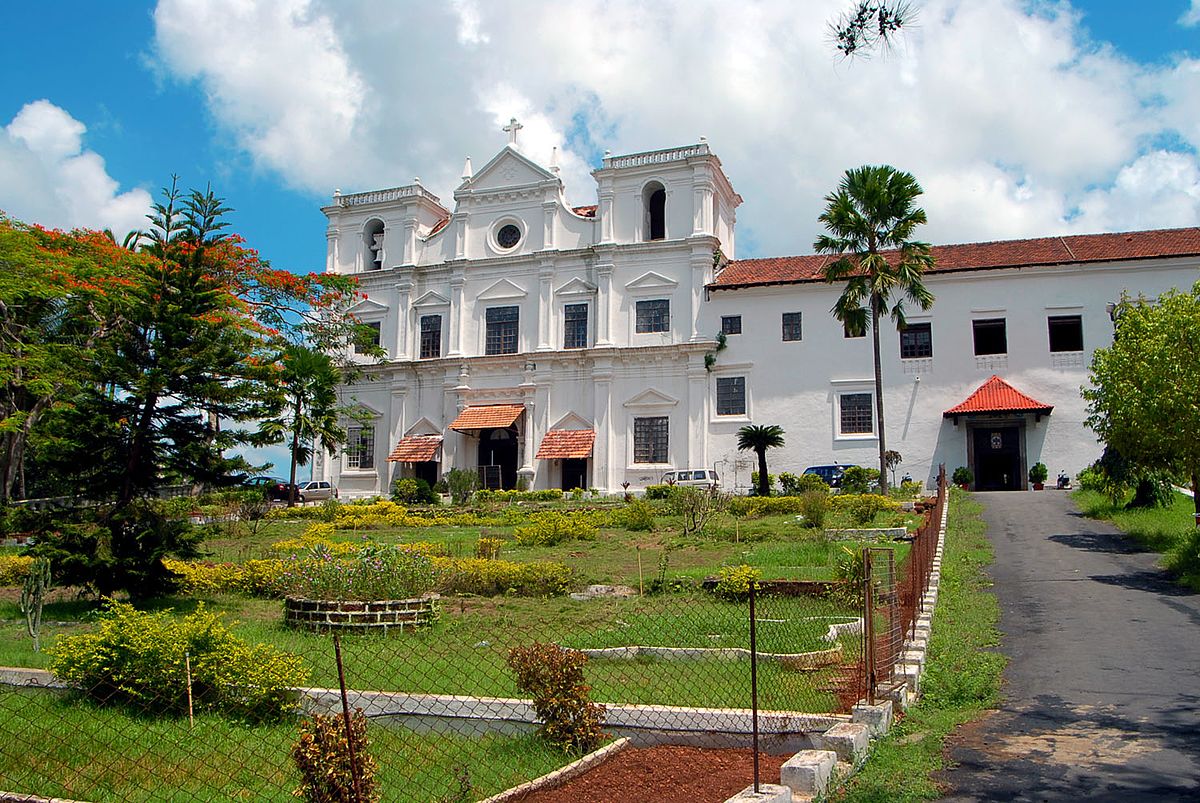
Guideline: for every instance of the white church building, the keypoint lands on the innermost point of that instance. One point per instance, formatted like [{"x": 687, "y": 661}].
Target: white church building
[{"x": 566, "y": 347}]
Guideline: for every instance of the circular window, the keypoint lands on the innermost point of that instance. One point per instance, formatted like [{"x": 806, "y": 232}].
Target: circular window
[{"x": 508, "y": 236}]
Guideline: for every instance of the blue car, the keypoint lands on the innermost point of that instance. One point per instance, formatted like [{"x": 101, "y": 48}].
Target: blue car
[{"x": 831, "y": 474}]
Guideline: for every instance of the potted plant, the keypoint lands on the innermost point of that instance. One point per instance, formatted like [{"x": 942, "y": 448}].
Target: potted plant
[
  {"x": 1037, "y": 475},
  {"x": 963, "y": 477}
]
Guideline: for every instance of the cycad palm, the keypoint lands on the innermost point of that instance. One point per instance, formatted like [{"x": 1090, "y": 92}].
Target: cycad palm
[
  {"x": 758, "y": 438},
  {"x": 871, "y": 218}
]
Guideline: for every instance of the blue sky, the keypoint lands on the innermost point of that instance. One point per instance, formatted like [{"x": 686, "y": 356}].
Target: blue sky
[{"x": 1019, "y": 118}]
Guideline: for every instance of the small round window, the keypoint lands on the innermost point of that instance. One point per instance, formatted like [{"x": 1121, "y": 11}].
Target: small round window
[{"x": 508, "y": 236}]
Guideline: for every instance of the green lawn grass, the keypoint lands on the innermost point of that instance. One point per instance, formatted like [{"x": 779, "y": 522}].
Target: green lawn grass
[
  {"x": 165, "y": 760},
  {"x": 963, "y": 674},
  {"x": 1169, "y": 530}
]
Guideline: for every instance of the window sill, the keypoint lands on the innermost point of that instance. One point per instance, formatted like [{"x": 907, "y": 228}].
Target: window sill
[
  {"x": 870, "y": 436},
  {"x": 359, "y": 472}
]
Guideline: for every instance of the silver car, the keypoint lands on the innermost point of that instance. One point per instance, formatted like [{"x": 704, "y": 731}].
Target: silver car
[{"x": 316, "y": 491}]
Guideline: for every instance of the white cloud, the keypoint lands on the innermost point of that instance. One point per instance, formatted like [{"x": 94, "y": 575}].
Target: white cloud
[
  {"x": 47, "y": 177},
  {"x": 1191, "y": 17},
  {"x": 1015, "y": 122}
]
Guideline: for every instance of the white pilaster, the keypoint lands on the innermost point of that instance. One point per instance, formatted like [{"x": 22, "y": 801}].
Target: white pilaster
[
  {"x": 545, "y": 311},
  {"x": 457, "y": 281},
  {"x": 604, "y": 304}
]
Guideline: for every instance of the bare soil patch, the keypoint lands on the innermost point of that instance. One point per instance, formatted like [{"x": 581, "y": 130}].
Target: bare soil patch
[{"x": 665, "y": 775}]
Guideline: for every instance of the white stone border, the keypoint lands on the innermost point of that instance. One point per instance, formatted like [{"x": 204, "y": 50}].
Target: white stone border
[{"x": 562, "y": 774}]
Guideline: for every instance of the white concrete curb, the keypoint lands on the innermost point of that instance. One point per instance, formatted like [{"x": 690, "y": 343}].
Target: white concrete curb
[{"x": 562, "y": 774}]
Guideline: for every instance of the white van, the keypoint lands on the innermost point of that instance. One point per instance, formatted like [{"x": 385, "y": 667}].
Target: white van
[{"x": 693, "y": 478}]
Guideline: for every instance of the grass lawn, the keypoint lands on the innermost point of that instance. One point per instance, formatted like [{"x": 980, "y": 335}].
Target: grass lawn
[
  {"x": 963, "y": 673},
  {"x": 1170, "y": 530},
  {"x": 165, "y": 760}
]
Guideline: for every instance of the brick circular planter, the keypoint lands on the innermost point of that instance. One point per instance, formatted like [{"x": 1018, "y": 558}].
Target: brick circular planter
[{"x": 357, "y": 616}]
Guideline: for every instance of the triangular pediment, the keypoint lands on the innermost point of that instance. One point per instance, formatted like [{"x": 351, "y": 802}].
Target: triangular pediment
[
  {"x": 508, "y": 168},
  {"x": 572, "y": 421},
  {"x": 502, "y": 290},
  {"x": 650, "y": 280},
  {"x": 652, "y": 398},
  {"x": 363, "y": 410},
  {"x": 423, "y": 427},
  {"x": 576, "y": 287},
  {"x": 431, "y": 299},
  {"x": 368, "y": 306}
]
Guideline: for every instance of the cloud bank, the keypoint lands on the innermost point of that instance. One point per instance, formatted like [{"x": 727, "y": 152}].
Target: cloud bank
[
  {"x": 1013, "y": 120},
  {"x": 47, "y": 175}
]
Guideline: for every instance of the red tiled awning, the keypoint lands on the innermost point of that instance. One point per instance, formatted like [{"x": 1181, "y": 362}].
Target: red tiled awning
[
  {"x": 565, "y": 444},
  {"x": 487, "y": 416},
  {"x": 997, "y": 396},
  {"x": 416, "y": 449}
]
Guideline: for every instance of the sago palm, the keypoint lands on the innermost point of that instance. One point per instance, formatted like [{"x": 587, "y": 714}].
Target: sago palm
[
  {"x": 758, "y": 438},
  {"x": 870, "y": 220}
]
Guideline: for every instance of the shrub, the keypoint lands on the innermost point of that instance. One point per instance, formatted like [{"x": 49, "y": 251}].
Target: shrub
[
  {"x": 1091, "y": 478},
  {"x": 1184, "y": 560},
  {"x": 754, "y": 507},
  {"x": 553, "y": 677},
  {"x": 657, "y": 491},
  {"x": 491, "y": 577},
  {"x": 754, "y": 482},
  {"x": 544, "y": 495},
  {"x": 859, "y": 480},
  {"x": 796, "y": 484},
  {"x": 1038, "y": 473},
  {"x": 404, "y": 490},
  {"x": 13, "y": 569},
  {"x": 323, "y": 757},
  {"x": 488, "y": 548},
  {"x": 374, "y": 572},
  {"x": 962, "y": 476},
  {"x": 813, "y": 506},
  {"x": 733, "y": 582},
  {"x": 548, "y": 529},
  {"x": 136, "y": 659},
  {"x": 862, "y": 508},
  {"x": 462, "y": 484},
  {"x": 576, "y": 494},
  {"x": 696, "y": 507},
  {"x": 851, "y": 575},
  {"x": 639, "y": 515}
]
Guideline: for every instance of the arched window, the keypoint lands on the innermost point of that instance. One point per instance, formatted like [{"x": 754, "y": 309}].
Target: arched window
[
  {"x": 373, "y": 245},
  {"x": 654, "y": 201}
]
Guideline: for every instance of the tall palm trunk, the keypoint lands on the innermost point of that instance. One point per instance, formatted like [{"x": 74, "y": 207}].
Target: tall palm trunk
[
  {"x": 764, "y": 482},
  {"x": 883, "y": 486},
  {"x": 295, "y": 447}
]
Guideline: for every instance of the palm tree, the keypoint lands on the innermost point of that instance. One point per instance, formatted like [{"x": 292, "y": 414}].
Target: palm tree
[
  {"x": 308, "y": 408},
  {"x": 871, "y": 218},
  {"x": 759, "y": 438}
]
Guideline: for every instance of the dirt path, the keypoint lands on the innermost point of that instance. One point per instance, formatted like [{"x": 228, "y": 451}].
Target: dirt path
[{"x": 1102, "y": 693}]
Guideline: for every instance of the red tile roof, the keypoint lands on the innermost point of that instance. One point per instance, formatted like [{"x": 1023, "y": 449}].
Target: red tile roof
[
  {"x": 585, "y": 211},
  {"x": 487, "y": 416},
  {"x": 997, "y": 396},
  {"x": 982, "y": 256},
  {"x": 561, "y": 444},
  {"x": 415, "y": 449}
]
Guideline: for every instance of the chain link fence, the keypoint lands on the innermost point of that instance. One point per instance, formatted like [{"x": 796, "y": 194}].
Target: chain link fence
[{"x": 188, "y": 705}]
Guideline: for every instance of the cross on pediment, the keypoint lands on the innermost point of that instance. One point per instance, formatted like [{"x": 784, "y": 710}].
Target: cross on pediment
[{"x": 512, "y": 128}]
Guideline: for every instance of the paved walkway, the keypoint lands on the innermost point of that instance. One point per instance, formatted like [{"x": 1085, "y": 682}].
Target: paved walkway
[{"x": 1102, "y": 692}]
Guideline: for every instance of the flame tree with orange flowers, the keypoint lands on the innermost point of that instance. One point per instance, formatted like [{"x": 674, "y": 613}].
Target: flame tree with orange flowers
[{"x": 122, "y": 371}]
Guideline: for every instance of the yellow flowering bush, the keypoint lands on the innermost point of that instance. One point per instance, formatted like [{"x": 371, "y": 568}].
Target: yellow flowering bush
[
  {"x": 13, "y": 569},
  {"x": 488, "y": 577}
]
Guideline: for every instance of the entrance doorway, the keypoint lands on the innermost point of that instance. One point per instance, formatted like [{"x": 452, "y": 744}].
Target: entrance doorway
[
  {"x": 997, "y": 458},
  {"x": 574, "y": 474},
  {"x": 428, "y": 471},
  {"x": 498, "y": 458}
]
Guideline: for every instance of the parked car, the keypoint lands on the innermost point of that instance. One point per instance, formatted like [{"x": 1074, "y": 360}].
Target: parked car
[
  {"x": 259, "y": 482},
  {"x": 316, "y": 491},
  {"x": 693, "y": 478},
  {"x": 832, "y": 474},
  {"x": 280, "y": 491}
]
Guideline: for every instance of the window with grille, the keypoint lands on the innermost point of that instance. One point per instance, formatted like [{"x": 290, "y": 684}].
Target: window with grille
[
  {"x": 916, "y": 340},
  {"x": 431, "y": 336},
  {"x": 1066, "y": 332},
  {"x": 367, "y": 337},
  {"x": 857, "y": 414},
  {"x": 575, "y": 326},
  {"x": 731, "y": 324},
  {"x": 792, "y": 329},
  {"x": 502, "y": 330},
  {"x": 991, "y": 336},
  {"x": 650, "y": 439},
  {"x": 653, "y": 316},
  {"x": 360, "y": 448},
  {"x": 731, "y": 395}
]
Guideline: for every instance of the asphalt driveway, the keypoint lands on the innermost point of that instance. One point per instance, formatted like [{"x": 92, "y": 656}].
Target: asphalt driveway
[{"x": 1102, "y": 692}]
